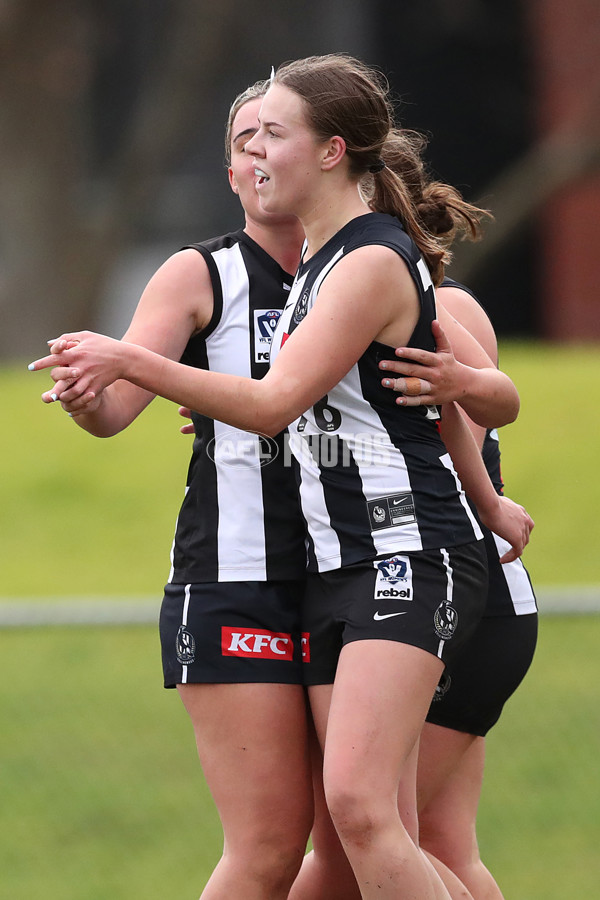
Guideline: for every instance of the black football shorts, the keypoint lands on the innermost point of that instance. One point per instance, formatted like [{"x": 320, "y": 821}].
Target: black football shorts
[
  {"x": 432, "y": 599},
  {"x": 232, "y": 632},
  {"x": 490, "y": 667}
]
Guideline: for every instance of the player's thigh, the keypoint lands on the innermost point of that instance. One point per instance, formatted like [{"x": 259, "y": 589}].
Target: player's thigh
[
  {"x": 252, "y": 744},
  {"x": 379, "y": 700},
  {"x": 441, "y": 752},
  {"x": 449, "y": 781}
]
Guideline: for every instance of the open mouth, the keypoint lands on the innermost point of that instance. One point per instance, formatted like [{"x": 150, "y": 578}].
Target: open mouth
[{"x": 261, "y": 177}]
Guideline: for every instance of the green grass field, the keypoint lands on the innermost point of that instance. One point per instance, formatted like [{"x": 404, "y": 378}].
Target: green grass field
[
  {"x": 94, "y": 517},
  {"x": 103, "y": 798}
]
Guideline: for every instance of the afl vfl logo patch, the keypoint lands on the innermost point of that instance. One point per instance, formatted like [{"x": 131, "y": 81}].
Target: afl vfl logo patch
[
  {"x": 445, "y": 620},
  {"x": 393, "y": 569},
  {"x": 185, "y": 646},
  {"x": 265, "y": 323}
]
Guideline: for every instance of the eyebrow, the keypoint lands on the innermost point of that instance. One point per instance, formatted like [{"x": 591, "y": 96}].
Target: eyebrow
[
  {"x": 270, "y": 124},
  {"x": 244, "y": 133}
]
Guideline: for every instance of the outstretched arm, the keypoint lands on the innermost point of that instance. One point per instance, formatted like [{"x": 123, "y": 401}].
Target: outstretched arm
[
  {"x": 322, "y": 349},
  {"x": 500, "y": 514}
]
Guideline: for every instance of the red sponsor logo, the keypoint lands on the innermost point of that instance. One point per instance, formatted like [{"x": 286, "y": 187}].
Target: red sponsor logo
[
  {"x": 283, "y": 339},
  {"x": 256, "y": 643},
  {"x": 306, "y": 646}
]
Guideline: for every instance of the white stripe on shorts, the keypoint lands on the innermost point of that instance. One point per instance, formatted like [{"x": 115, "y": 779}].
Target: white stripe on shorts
[
  {"x": 449, "y": 589},
  {"x": 184, "y": 618}
]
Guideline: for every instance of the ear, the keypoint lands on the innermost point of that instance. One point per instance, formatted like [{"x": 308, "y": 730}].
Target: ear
[
  {"x": 335, "y": 150},
  {"x": 232, "y": 182}
]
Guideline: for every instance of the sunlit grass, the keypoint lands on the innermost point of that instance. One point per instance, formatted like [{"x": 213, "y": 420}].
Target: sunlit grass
[{"x": 86, "y": 516}]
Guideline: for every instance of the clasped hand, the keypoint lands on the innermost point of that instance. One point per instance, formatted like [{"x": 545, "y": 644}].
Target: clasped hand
[{"x": 84, "y": 364}]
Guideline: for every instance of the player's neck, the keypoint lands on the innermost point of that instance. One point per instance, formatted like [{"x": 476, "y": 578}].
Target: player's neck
[
  {"x": 329, "y": 216},
  {"x": 282, "y": 241}
]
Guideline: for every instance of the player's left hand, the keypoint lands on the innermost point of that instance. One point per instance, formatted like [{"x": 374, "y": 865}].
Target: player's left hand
[
  {"x": 428, "y": 378},
  {"x": 512, "y": 522},
  {"x": 83, "y": 363}
]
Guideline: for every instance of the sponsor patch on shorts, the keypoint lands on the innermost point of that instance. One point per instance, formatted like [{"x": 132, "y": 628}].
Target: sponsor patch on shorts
[
  {"x": 256, "y": 643},
  {"x": 387, "y": 512},
  {"x": 394, "y": 578}
]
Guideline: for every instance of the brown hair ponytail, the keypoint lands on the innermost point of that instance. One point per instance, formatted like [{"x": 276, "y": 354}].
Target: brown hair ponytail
[{"x": 346, "y": 97}]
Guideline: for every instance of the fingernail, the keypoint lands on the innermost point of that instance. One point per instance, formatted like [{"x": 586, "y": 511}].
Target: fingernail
[
  {"x": 383, "y": 365},
  {"x": 31, "y": 367},
  {"x": 70, "y": 415},
  {"x": 54, "y": 396},
  {"x": 387, "y": 382}
]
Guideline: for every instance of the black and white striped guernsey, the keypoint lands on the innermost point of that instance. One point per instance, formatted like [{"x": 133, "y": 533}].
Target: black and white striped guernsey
[
  {"x": 375, "y": 478},
  {"x": 510, "y": 590},
  {"x": 240, "y": 519}
]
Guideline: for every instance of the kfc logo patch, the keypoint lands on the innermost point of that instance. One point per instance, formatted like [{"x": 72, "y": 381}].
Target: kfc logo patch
[{"x": 256, "y": 643}]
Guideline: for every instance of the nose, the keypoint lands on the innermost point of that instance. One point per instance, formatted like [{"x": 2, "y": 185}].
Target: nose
[{"x": 254, "y": 146}]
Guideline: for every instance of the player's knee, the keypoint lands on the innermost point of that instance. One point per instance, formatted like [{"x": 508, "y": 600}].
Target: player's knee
[
  {"x": 452, "y": 842},
  {"x": 275, "y": 861},
  {"x": 357, "y": 818}
]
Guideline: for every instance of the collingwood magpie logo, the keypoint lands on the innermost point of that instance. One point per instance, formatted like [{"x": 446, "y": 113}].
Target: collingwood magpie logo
[
  {"x": 445, "y": 620},
  {"x": 301, "y": 308},
  {"x": 442, "y": 688},
  {"x": 378, "y": 514},
  {"x": 185, "y": 646}
]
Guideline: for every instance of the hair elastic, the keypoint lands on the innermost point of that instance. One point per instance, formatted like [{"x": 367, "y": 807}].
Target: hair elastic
[{"x": 377, "y": 166}]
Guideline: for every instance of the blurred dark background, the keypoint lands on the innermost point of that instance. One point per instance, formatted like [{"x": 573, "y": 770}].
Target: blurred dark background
[{"x": 111, "y": 142}]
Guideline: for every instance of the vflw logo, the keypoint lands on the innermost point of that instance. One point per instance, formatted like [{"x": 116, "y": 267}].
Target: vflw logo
[
  {"x": 394, "y": 578},
  {"x": 393, "y": 569},
  {"x": 256, "y": 643},
  {"x": 265, "y": 323}
]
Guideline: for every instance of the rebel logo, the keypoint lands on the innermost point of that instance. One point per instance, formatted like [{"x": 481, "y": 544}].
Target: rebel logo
[{"x": 256, "y": 643}]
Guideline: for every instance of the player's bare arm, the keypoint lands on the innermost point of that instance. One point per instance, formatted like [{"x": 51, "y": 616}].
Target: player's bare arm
[
  {"x": 348, "y": 319},
  {"x": 460, "y": 370}
]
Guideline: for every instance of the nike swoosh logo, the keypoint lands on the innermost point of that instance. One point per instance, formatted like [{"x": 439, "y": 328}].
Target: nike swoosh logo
[
  {"x": 398, "y": 502},
  {"x": 378, "y": 616}
]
